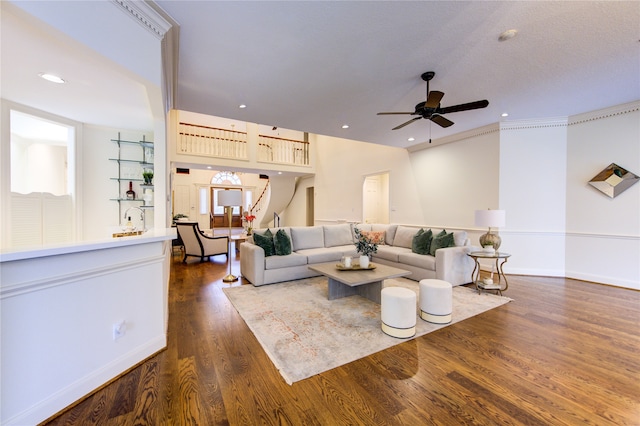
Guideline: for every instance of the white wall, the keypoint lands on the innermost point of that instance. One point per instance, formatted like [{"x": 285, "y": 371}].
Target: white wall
[
  {"x": 603, "y": 234},
  {"x": 532, "y": 192},
  {"x": 340, "y": 173},
  {"x": 455, "y": 179}
]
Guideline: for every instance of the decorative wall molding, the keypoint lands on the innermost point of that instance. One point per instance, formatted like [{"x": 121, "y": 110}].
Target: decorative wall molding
[
  {"x": 534, "y": 123},
  {"x": 146, "y": 16},
  {"x": 12, "y": 290},
  {"x": 604, "y": 113},
  {"x": 480, "y": 131}
]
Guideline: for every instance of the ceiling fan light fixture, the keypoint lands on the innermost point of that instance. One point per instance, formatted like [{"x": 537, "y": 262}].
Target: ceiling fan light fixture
[
  {"x": 507, "y": 35},
  {"x": 52, "y": 78}
]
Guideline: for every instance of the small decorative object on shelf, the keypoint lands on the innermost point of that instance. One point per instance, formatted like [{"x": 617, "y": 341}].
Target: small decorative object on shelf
[
  {"x": 147, "y": 175},
  {"x": 131, "y": 195}
]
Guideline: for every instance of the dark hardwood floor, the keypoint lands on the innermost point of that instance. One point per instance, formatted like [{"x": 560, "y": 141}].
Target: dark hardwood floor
[{"x": 564, "y": 352}]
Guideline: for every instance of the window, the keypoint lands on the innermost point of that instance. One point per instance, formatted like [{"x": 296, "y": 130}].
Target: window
[{"x": 226, "y": 178}]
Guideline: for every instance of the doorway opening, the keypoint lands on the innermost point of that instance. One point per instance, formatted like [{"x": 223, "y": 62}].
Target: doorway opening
[{"x": 375, "y": 202}]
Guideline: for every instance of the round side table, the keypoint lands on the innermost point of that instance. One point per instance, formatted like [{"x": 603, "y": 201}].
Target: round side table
[{"x": 500, "y": 259}]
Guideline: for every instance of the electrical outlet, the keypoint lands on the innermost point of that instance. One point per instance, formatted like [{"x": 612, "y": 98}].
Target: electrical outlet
[{"x": 119, "y": 330}]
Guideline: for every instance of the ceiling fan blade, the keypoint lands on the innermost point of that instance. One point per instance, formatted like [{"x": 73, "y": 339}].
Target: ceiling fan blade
[
  {"x": 407, "y": 123},
  {"x": 463, "y": 107},
  {"x": 433, "y": 100},
  {"x": 393, "y": 113},
  {"x": 441, "y": 121}
]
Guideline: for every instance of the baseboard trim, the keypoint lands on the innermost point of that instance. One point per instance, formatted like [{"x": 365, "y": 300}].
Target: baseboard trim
[{"x": 74, "y": 393}]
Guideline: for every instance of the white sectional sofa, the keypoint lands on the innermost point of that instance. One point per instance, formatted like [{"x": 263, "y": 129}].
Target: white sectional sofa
[{"x": 328, "y": 243}]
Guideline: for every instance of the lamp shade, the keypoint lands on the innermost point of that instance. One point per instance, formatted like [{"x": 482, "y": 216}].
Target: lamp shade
[
  {"x": 229, "y": 198},
  {"x": 490, "y": 218}
]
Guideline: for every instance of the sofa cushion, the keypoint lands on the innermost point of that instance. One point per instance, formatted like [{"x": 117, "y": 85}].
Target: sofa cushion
[
  {"x": 390, "y": 253},
  {"x": 460, "y": 238},
  {"x": 377, "y": 237},
  {"x": 441, "y": 241},
  {"x": 418, "y": 260},
  {"x": 337, "y": 235},
  {"x": 282, "y": 243},
  {"x": 277, "y": 262},
  {"x": 422, "y": 242},
  {"x": 322, "y": 255},
  {"x": 390, "y": 231},
  {"x": 307, "y": 237},
  {"x": 404, "y": 236},
  {"x": 265, "y": 241}
]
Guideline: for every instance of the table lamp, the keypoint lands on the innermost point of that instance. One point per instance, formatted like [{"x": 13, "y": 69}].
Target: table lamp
[
  {"x": 229, "y": 199},
  {"x": 490, "y": 219}
]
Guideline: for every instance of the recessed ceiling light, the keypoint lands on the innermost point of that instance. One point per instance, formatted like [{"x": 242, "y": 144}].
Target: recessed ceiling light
[
  {"x": 279, "y": 173},
  {"x": 209, "y": 167},
  {"x": 411, "y": 139},
  {"x": 507, "y": 35},
  {"x": 345, "y": 126},
  {"x": 241, "y": 106},
  {"x": 52, "y": 78},
  {"x": 505, "y": 114}
]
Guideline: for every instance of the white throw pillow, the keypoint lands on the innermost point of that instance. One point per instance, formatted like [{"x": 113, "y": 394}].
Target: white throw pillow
[{"x": 404, "y": 236}]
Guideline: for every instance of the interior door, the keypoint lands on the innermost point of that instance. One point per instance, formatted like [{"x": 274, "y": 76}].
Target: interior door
[{"x": 375, "y": 203}]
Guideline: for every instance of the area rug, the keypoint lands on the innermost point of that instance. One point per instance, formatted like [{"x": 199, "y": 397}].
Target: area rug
[{"x": 305, "y": 334}]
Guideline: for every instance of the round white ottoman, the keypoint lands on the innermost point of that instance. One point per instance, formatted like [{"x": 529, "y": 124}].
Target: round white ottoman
[
  {"x": 436, "y": 302},
  {"x": 398, "y": 312}
]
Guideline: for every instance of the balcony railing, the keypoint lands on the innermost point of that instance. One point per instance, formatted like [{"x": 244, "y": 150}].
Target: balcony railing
[
  {"x": 206, "y": 141},
  {"x": 211, "y": 142},
  {"x": 272, "y": 149}
]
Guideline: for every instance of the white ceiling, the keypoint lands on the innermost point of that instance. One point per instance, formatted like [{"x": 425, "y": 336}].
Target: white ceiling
[{"x": 314, "y": 66}]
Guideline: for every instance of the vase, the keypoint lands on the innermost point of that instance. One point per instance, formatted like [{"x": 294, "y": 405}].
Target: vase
[{"x": 364, "y": 261}]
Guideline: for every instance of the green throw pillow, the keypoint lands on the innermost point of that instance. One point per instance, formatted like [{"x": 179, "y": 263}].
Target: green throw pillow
[
  {"x": 422, "y": 241},
  {"x": 266, "y": 242},
  {"x": 282, "y": 243},
  {"x": 441, "y": 241}
]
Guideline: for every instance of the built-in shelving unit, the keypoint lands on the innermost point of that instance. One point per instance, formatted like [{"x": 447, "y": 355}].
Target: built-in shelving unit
[{"x": 133, "y": 158}]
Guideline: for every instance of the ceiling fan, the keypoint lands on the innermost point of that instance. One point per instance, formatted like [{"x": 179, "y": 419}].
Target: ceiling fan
[{"x": 431, "y": 109}]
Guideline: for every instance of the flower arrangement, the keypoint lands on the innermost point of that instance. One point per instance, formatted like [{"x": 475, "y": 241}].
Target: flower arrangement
[
  {"x": 249, "y": 218},
  {"x": 365, "y": 245}
]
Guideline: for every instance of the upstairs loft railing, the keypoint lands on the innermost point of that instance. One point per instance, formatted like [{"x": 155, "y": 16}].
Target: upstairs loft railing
[
  {"x": 208, "y": 141},
  {"x": 272, "y": 149}
]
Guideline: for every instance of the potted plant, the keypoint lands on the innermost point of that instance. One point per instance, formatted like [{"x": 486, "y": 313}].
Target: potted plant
[
  {"x": 365, "y": 246},
  {"x": 147, "y": 175}
]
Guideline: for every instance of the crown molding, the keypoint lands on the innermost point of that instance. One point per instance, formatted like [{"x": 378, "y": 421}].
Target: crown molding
[
  {"x": 145, "y": 15},
  {"x": 535, "y": 123},
  {"x": 605, "y": 113},
  {"x": 479, "y": 131}
]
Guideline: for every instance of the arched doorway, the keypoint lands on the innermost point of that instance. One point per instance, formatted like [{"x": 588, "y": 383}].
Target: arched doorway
[{"x": 375, "y": 198}]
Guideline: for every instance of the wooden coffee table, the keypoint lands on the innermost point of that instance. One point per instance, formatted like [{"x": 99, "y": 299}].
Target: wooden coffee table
[{"x": 363, "y": 282}]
